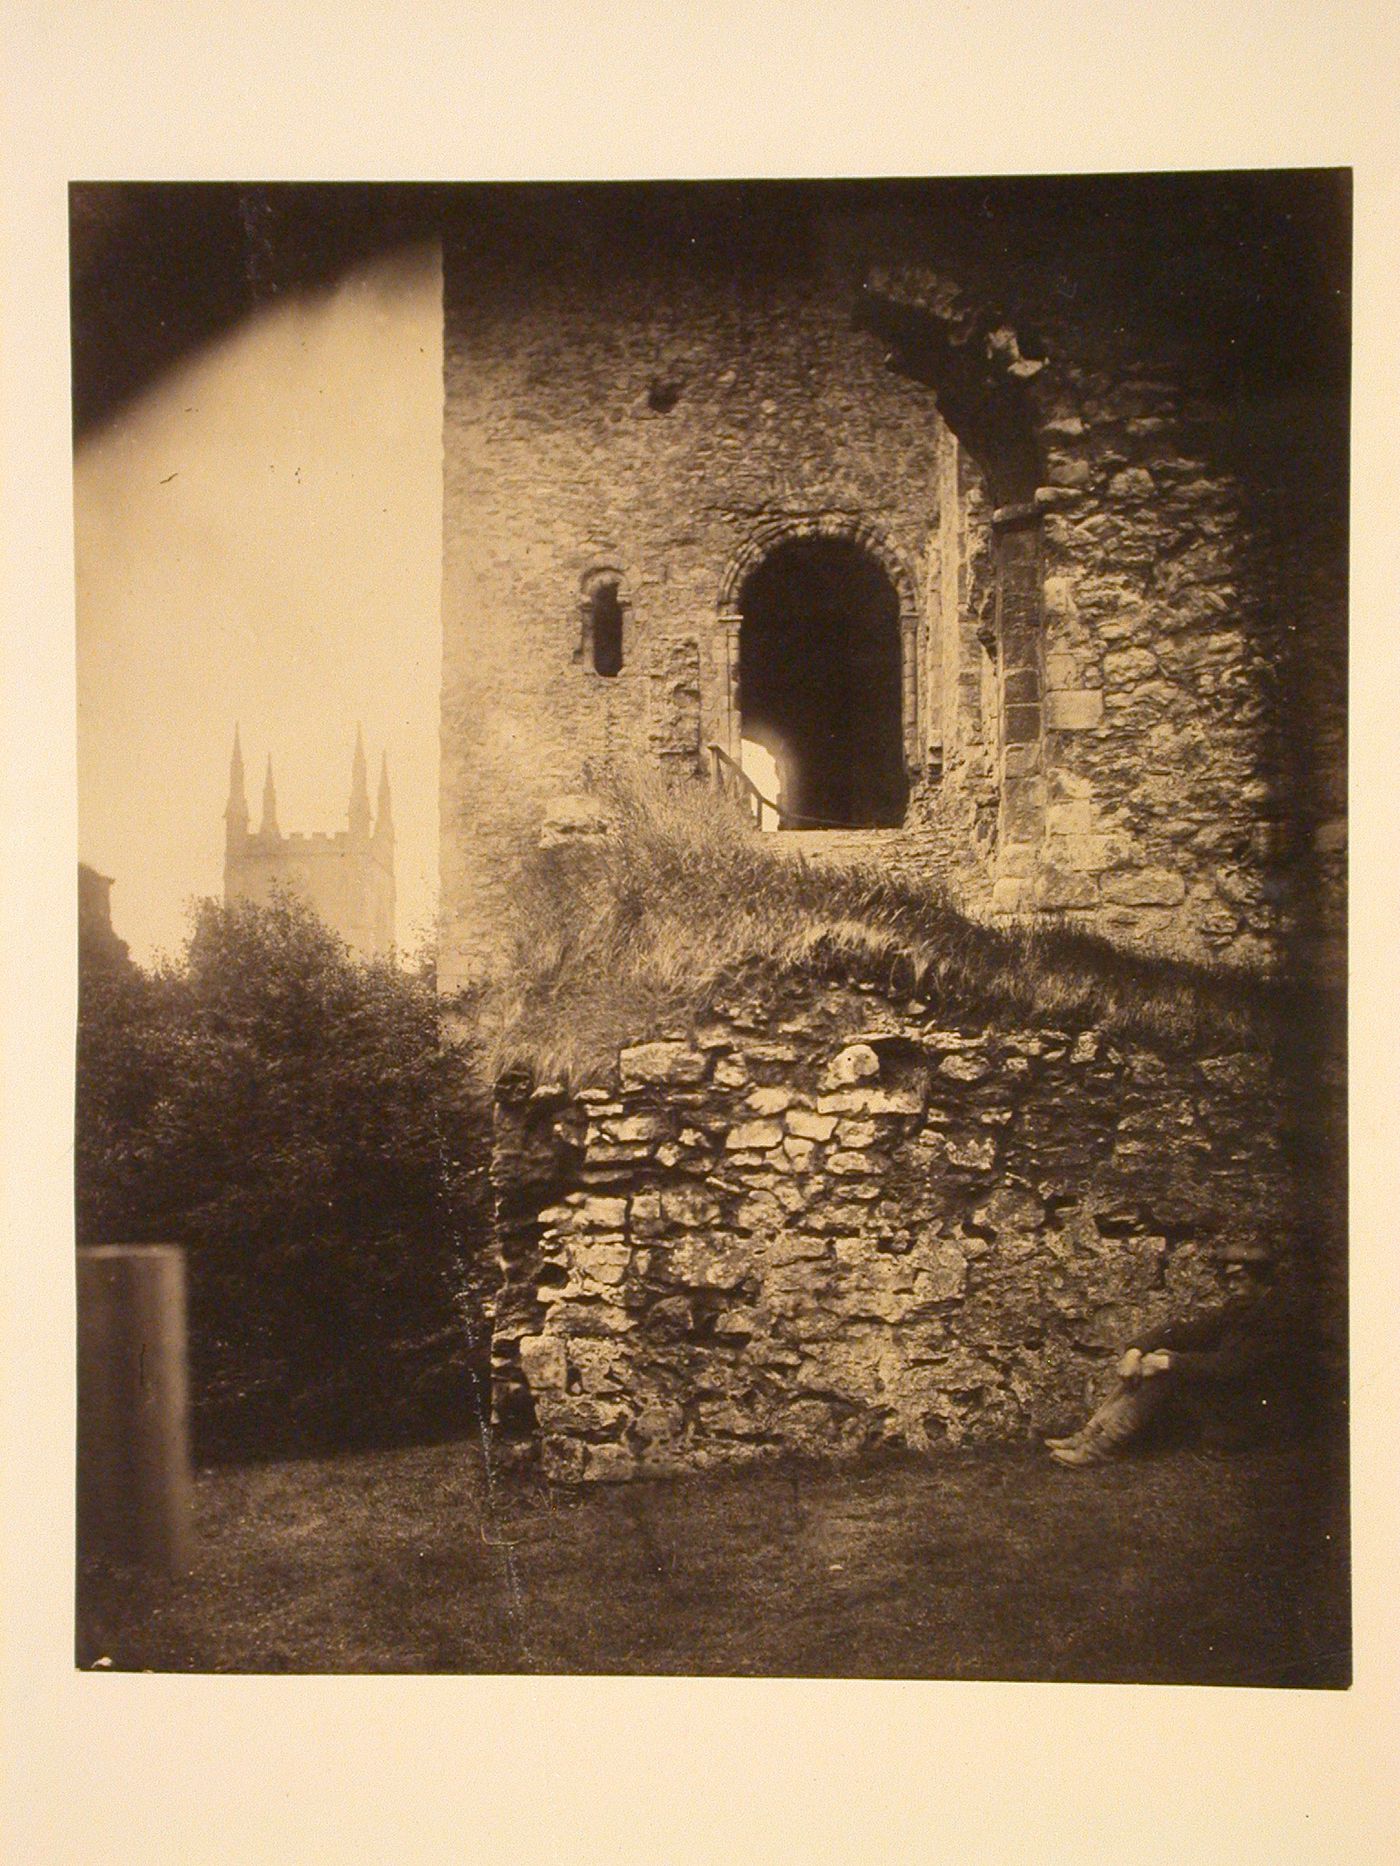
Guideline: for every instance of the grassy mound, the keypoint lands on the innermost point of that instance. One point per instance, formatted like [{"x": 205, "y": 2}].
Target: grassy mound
[{"x": 636, "y": 934}]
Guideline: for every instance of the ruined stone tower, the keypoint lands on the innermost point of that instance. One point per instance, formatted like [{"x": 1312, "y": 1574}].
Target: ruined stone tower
[
  {"x": 1009, "y": 521},
  {"x": 347, "y": 876}
]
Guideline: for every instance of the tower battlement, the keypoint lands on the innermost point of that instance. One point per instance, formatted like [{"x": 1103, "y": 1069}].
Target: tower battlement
[{"x": 346, "y": 875}]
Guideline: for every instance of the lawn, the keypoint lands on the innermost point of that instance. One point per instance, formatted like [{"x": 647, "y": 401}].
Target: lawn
[{"x": 1184, "y": 1566}]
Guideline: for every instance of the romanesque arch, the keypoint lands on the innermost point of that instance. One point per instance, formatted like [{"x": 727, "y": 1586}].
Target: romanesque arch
[
  {"x": 856, "y": 530},
  {"x": 833, "y": 534}
]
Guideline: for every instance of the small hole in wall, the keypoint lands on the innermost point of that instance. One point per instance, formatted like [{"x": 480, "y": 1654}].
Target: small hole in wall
[{"x": 662, "y": 396}]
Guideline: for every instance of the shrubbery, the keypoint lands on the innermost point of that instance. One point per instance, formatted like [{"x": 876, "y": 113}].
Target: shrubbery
[{"x": 295, "y": 1120}]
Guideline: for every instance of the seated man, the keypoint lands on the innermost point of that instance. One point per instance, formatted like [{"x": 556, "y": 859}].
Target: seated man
[{"x": 1254, "y": 1336}]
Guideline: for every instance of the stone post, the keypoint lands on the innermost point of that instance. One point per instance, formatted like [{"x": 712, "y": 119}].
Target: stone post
[
  {"x": 133, "y": 1433},
  {"x": 909, "y": 689},
  {"x": 1018, "y": 609},
  {"x": 731, "y": 725}
]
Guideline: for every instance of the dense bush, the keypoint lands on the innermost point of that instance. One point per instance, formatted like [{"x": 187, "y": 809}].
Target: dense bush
[{"x": 295, "y": 1120}]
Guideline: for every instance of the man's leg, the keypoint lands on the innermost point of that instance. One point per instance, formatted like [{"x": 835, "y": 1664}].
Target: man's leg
[{"x": 1114, "y": 1424}]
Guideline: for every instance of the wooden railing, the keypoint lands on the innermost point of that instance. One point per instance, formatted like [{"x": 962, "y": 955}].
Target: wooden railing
[{"x": 732, "y": 781}]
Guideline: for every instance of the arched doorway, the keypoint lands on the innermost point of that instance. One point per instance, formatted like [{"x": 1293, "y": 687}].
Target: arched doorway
[{"x": 821, "y": 681}]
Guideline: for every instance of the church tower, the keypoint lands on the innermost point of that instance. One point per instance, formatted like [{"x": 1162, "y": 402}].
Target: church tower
[{"x": 347, "y": 876}]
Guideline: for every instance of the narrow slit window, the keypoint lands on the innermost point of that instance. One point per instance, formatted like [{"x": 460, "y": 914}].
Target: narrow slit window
[{"x": 606, "y": 631}]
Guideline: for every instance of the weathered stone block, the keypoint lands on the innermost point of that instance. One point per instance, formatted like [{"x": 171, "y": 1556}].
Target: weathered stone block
[
  {"x": 598, "y": 1365},
  {"x": 848, "y": 1163},
  {"x": 1023, "y": 809},
  {"x": 1144, "y": 887},
  {"x": 600, "y": 1214},
  {"x": 769, "y": 1100},
  {"x": 1241, "y": 1074},
  {"x": 544, "y": 1363},
  {"x": 977, "y": 1152},
  {"x": 1018, "y": 860},
  {"x": 1063, "y": 670},
  {"x": 1021, "y": 724},
  {"x": 756, "y": 1136},
  {"x": 1057, "y": 888},
  {"x": 806, "y": 1125},
  {"x": 1074, "y": 709},
  {"x": 689, "y": 1206},
  {"x": 609, "y": 1464},
  {"x": 578, "y": 1413},
  {"x": 1071, "y": 818},
  {"x": 1132, "y": 484},
  {"x": 1084, "y": 855},
  {"x": 902, "y": 1099},
  {"x": 965, "y": 1067},
  {"x": 635, "y": 1127},
  {"x": 613, "y": 1153},
  {"x": 761, "y": 1211},
  {"x": 706, "y": 1263},
  {"x": 1124, "y": 667},
  {"x": 658, "y": 1421},
  {"x": 600, "y": 1262},
  {"x": 946, "y": 1276},
  {"x": 1067, "y": 470},
  {"x": 1012, "y": 1210},
  {"x": 856, "y": 1063},
  {"x": 648, "y": 1063}
]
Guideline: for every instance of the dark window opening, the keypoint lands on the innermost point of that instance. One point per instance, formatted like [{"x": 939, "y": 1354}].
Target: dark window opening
[
  {"x": 606, "y": 630},
  {"x": 821, "y": 681}
]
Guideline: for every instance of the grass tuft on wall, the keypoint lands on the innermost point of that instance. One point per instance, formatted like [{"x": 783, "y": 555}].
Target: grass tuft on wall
[{"x": 636, "y": 933}]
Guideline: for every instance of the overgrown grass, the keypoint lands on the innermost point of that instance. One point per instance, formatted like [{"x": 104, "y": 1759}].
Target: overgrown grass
[
  {"x": 637, "y": 934},
  {"x": 994, "y": 1564}
]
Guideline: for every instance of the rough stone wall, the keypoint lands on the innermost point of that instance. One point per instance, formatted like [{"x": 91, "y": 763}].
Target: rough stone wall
[
  {"x": 1160, "y": 643},
  {"x": 843, "y": 1224},
  {"x": 1171, "y": 668},
  {"x": 1121, "y": 556},
  {"x": 655, "y": 425}
]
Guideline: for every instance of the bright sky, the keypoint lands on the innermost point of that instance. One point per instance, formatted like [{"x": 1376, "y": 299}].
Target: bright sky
[{"x": 259, "y": 541}]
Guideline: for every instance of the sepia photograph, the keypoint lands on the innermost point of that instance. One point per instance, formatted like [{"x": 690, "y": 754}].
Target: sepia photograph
[{"x": 712, "y": 949}]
